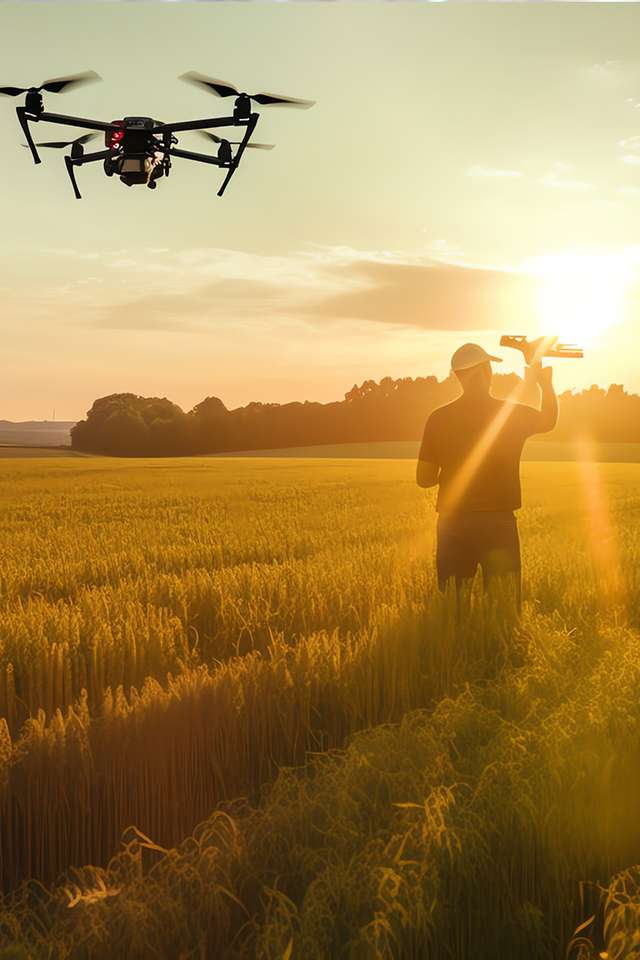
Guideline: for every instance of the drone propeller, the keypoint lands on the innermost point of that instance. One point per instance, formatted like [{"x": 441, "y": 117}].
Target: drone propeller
[
  {"x": 54, "y": 86},
  {"x": 222, "y": 89},
  {"x": 61, "y": 144},
  {"x": 255, "y": 146}
]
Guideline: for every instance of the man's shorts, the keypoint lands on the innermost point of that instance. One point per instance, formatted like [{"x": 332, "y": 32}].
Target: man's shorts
[{"x": 488, "y": 538}]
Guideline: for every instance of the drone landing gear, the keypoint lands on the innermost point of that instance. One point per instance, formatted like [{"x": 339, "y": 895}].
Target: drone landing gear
[
  {"x": 230, "y": 166},
  {"x": 71, "y": 162},
  {"x": 22, "y": 117},
  {"x": 152, "y": 184}
]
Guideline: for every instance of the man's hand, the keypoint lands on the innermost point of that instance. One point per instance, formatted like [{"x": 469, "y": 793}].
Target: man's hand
[{"x": 542, "y": 375}]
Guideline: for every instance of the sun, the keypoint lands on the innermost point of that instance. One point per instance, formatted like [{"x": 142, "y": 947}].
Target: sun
[{"x": 581, "y": 294}]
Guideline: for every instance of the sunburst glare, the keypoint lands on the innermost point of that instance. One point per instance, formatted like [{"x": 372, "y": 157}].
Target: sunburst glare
[{"x": 582, "y": 293}]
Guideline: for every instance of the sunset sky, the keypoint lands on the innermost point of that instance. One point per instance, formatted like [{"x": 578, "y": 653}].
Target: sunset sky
[{"x": 467, "y": 171}]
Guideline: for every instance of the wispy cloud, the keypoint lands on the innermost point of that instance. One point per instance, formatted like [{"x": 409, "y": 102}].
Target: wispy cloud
[
  {"x": 632, "y": 192},
  {"x": 607, "y": 70},
  {"x": 433, "y": 296},
  {"x": 193, "y": 290},
  {"x": 558, "y": 179},
  {"x": 443, "y": 249},
  {"x": 196, "y": 309},
  {"x": 629, "y": 143},
  {"x": 563, "y": 183},
  {"x": 477, "y": 170}
]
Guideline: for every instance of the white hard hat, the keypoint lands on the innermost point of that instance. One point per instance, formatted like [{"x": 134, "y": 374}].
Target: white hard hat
[{"x": 470, "y": 355}]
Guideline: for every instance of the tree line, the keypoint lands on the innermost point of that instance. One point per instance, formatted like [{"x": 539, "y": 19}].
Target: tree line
[{"x": 125, "y": 424}]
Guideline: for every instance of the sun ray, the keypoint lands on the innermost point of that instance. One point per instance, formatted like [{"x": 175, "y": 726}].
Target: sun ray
[
  {"x": 478, "y": 452},
  {"x": 599, "y": 528}
]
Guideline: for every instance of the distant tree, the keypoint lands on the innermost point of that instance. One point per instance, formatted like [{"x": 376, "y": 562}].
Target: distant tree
[
  {"x": 210, "y": 409},
  {"x": 125, "y": 424}
]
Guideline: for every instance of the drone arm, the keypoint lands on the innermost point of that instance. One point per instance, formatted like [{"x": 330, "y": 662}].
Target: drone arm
[
  {"x": 236, "y": 160},
  {"x": 198, "y": 124},
  {"x": 76, "y": 122},
  {"x": 201, "y": 157},
  {"x": 24, "y": 117},
  {"x": 71, "y": 162},
  {"x": 24, "y": 123}
]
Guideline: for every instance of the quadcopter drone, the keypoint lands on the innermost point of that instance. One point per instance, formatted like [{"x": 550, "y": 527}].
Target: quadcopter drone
[
  {"x": 535, "y": 350},
  {"x": 139, "y": 149}
]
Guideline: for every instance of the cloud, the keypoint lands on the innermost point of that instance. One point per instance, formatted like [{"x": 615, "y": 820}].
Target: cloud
[
  {"x": 628, "y": 191},
  {"x": 564, "y": 184},
  {"x": 434, "y": 296},
  {"x": 629, "y": 143},
  {"x": 631, "y": 159},
  {"x": 492, "y": 173},
  {"x": 318, "y": 286},
  {"x": 195, "y": 309},
  {"x": 556, "y": 178},
  {"x": 202, "y": 290},
  {"x": 607, "y": 70},
  {"x": 442, "y": 249}
]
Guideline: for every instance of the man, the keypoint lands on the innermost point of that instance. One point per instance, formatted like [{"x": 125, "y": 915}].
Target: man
[{"x": 471, "y": 448}]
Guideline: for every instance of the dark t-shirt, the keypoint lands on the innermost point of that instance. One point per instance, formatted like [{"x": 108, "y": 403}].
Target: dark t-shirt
[{"x": 477, "y": 445}]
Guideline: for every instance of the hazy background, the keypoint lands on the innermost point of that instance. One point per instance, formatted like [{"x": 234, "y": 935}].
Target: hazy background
[{"x": 487, "y": 137}]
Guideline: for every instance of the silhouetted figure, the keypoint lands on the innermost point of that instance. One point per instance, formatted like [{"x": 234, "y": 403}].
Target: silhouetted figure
[{"x": 471, "y": 448}]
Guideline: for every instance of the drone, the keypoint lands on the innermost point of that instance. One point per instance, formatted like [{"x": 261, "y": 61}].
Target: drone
[
  {"x": 534, "y": 350},
  {"x": 140, "y": 149}
]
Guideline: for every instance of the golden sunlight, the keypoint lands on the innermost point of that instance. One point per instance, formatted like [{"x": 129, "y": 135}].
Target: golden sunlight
[{"x": 582, "y": 293}]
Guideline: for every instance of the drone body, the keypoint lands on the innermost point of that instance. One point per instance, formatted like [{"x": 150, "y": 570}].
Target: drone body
[{"x": 140, "y": 149}]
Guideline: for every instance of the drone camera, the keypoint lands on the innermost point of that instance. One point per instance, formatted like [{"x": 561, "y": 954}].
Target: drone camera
[{"x": 135, "y": 170}]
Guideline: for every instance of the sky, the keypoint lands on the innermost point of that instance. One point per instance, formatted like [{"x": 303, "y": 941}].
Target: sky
[{"x": 466, "y": 171}]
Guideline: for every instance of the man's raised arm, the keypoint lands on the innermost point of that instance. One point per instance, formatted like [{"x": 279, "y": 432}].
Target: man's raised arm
[{"x": 548, "y": 413}]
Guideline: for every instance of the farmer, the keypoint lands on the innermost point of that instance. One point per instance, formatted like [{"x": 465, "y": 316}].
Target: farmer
[{"x": 471, "y": 448}]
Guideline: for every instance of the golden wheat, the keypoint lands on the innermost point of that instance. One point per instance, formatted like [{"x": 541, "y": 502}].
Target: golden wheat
[{"x": 173, "y": 635}]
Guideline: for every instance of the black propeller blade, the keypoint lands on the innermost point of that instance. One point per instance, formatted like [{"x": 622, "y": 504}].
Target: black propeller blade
[
  {"x": 256, "y": 146},
  {"x": 223, "y": 89},
  {"x": 60, "y": 144},
  {"x": 54, "y": 86}
]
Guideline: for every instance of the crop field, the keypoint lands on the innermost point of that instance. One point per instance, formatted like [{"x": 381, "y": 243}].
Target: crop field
[
  {"x": 238, "y": 720},
  {"x": 8, "y": 451}
]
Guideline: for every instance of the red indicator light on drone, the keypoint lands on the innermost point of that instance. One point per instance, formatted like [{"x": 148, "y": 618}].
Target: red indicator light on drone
[{"x": 113, "y": 137}]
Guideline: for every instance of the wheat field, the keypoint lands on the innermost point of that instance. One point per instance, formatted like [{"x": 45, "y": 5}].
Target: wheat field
[{"x": 237, "y": 719}]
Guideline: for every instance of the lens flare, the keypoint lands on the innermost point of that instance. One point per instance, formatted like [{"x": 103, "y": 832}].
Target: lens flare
[{"x": 603, "y": 547}]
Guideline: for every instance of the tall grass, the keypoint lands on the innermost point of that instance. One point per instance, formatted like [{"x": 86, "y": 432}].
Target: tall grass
[
  {"x": 163, "y": 757},
  {"x": 459, "y": 831}
]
